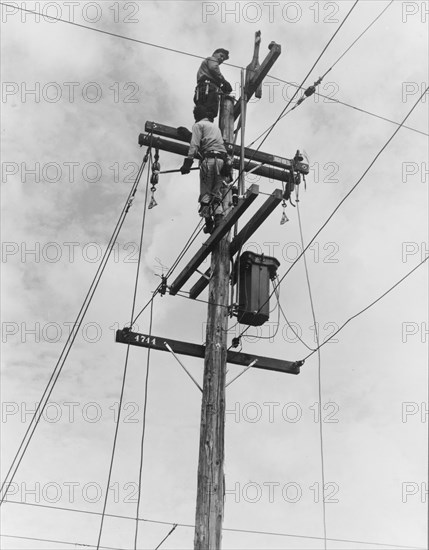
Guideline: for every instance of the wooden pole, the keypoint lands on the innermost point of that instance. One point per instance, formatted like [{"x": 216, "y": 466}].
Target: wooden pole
[{"x": 211, "y": 488}]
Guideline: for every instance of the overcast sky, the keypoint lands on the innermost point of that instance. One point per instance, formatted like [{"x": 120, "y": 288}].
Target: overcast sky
[{"x": 73, "y": 104}]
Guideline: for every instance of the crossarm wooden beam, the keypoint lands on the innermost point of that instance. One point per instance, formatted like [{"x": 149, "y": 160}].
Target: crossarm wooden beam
[
  {"x": 260, "y": 74},
  {"x": 257, "y": 156},
  {"x": 276, "y": 174},
  {"x": 214, "y": 239},
  {"x": 195, "y": 350},
  {"x": 261, "y": 215}
]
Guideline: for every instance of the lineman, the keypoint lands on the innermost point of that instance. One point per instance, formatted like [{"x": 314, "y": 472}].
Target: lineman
[
  {"x": 210, "y": 81},
  {"x": 207, "y": 144}
]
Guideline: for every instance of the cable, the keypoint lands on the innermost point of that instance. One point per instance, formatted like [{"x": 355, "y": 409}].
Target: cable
[
  {"x": 201, "y": 57},
  {"x": 144, "y": 427},
  {"x": 103, "y": 32},
  {"x": 124, "y": 374},
  {"x": 61, "y": 542},
  {"x": 312, "y": 89},
  {"x": 230, "y": 529},
  {"x": 165, "y": 538},
  {"x": 319, "y": 373},
  {"x": 368, "y": 306},
  {"x": 347, "y": 195},
  {"x": 309, "y": 72},
  {"x": 71, "y": 338},
  {"x": 188, "y": 244},
  {"x": 361, "y": 34},
  {"x": 287, "y": 321},
  {"x": 271, "y": 128}
]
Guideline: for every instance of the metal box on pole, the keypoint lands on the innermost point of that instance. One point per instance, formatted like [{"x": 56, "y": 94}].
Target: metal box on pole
[{"x": 256, "y": 270}]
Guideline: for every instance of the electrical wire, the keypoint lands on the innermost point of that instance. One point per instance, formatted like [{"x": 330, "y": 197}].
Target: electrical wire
[
  {"x": 312, "y": 89},
  {"x": 56, "y": 541},
  {"x": 346, "y": 196},
  {"x": 368, "y": 306},
  {"x": 358, "y": 38},
  {"x": 271, "y": 128},
  {"x": 173, "y": 50},
  {"x": 188, "y": 244},
  {"x": 70, "y": 340},
  {"x": 165, "y": 538},
  {"x": 230, "y": 529},
  {"x": 146, "y": 385},
  {"x": 308, "y": 74},
  {"x": 319, "y": 373},
  {"x": 286, "y": 319},
  {"x": 124, "y": 374}
]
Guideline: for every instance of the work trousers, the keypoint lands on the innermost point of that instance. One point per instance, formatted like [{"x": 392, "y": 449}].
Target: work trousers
[
  {"x": 207, "y": 94},
  {"x": 212, "y": 187}
]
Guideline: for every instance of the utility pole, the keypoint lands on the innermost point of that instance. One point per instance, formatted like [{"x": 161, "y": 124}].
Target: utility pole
[
  {"x": 211, "y": 484},
  {"x": 211, "y": 489}
]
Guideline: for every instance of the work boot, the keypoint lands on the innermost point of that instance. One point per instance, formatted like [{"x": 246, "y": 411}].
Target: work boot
[
  {"x": 208, "y": 228},
  {"x": 218, "y": 219}
]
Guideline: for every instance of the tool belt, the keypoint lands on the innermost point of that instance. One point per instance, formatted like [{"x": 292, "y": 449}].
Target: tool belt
[{"x": 214, "y": 154}]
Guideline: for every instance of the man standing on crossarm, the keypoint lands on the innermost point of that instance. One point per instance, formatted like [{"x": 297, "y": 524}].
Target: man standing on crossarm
[
  {"x": 211, "y": 82},
  {"x": 207, "y": 145}
]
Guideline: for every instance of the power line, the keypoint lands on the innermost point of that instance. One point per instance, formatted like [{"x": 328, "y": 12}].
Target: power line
[
  {"x": 231, "y": 529},
  {"x": 173, "y": 50},
  {"x": 124, "y": 375},
  {"x": 305, "y": 78},
  {"x": 312, "y": 89},
  {"x": 280, "y": 280},
  {"x": 146, "y": 385},
  {"x": 359, "y": 37},
  {"x": 188, "y": 244},
  {"x": 61, "y": 542},
  {"x": 71, "y": 338},
  {"x": 116, "y": 35},
  {"x": 319, "y": 374},
  {"x": 368, "y": 306},
  {"x": 165, "y": 538}
]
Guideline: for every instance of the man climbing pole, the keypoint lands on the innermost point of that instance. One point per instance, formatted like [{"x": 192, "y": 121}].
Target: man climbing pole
[
  {"x": 211, "y": 82},
  {"x": 207, "y": 144}
]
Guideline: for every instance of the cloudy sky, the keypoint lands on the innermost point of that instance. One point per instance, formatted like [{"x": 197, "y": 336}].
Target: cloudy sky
[{"x": 73, "y": 104}]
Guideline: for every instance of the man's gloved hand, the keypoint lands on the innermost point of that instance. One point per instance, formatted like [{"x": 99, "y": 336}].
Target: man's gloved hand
[
  {"x": 226, "y": 87},
  {"x": 186, "y": 168}
]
